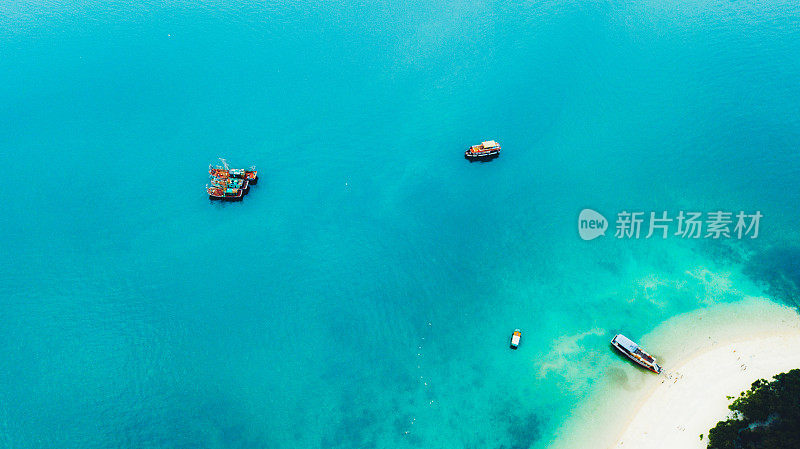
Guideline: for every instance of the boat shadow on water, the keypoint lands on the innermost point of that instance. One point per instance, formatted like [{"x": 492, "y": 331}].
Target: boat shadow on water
[{"x": 626, "y": 378}]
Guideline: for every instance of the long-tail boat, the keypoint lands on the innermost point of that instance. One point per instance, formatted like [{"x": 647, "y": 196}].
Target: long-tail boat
[{"x": 635, "y": 353}]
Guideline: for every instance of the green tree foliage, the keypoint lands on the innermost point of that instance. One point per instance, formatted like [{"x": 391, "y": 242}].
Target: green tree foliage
[{"x": 768, "y": 416}]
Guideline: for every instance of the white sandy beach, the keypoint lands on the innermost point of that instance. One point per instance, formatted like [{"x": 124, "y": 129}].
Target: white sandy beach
[
  {"x": 707, "y": 355},
  {"x": 692, "y": 397}
]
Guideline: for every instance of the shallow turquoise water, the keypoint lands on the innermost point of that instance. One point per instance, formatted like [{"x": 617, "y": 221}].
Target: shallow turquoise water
[{"x": 363, "y": 293}]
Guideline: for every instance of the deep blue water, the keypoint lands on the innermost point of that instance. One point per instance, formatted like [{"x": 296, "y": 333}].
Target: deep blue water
[{"x": 363, "y": 293}]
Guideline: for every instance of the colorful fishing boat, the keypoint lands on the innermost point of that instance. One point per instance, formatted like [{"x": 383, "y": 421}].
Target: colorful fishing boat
[
  {"x": 486, "y": 150},
  {"x": 224, "y": 171},
  {"x": 224, "y": 193},
  {"x": 217, "y": 172},
  {"x": 635, "y": 353},
  {"x": 231, "y": 183},
  {"x": 250, "y": 175}
]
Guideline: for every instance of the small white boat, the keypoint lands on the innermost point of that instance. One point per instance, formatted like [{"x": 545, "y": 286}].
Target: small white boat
[
  {"x": 635, "y": 353},
  {"x": 515, "y": 338}
]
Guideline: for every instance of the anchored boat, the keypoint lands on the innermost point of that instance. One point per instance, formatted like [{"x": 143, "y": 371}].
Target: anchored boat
[
  {"x": 230, "y": 184},
  {"x": 250, "y": 175},
  {"x": 635, "y": 353},
  {"x": 224, "y": 193},
  {"x": 486, "y": 150},
  {"x": 515, "y": 337},
  {"x": 234, "y": 183}
]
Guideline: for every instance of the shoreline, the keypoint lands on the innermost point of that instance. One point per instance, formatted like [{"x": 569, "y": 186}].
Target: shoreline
[
  {"x": 694, "y": 396},
  {"x": 633, "y": 408}
]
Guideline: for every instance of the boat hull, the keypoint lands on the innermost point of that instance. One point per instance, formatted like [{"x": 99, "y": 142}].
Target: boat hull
[
  {"x": 481, "y": 157},
  {"x": 227, "y": 198}
]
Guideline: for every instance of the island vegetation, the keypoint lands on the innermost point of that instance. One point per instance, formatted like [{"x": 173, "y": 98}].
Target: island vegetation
[{"x": 767, "y": 416}]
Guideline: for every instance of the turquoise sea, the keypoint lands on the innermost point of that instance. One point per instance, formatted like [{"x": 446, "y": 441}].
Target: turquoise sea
[{"x": 363, "y": 293}]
